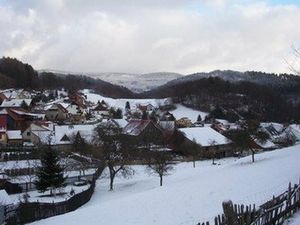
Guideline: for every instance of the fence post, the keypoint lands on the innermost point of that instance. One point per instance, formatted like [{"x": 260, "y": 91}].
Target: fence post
[{"x": 230, "y": 215}]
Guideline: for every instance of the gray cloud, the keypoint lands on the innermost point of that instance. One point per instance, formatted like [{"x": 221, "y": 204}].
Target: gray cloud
[{"x": 142, "y": 36}]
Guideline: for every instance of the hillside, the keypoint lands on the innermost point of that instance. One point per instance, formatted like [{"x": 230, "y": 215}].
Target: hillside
[
  {"x": 241, "y": 98},
  {"x": 189, "y": 195},
  {"x": 16, "y": 74},
  {"x": 262, "y": 78},
  {"x": 135, "y": 82}
]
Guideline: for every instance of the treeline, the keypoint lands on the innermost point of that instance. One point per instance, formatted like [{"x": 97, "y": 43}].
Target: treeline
[
  {"x": 244, "y": 99},
  {"x": 15, "y": 74}
]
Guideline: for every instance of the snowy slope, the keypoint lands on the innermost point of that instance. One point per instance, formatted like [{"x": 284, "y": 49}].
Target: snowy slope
[
  {"x": 138, "y": 82},
  {"x": 135, "y": 82},
  {"x": 120, "y": 102},
  {"x": 189, "y": 195}
]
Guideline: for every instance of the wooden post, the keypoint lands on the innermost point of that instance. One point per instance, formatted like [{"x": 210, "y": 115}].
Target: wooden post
[{"x": 230, "y": 215}]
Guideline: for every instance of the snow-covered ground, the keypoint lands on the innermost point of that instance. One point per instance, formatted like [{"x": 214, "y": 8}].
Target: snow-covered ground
[
  {"x": 189, "y": 195},
  {"x": 35, "y": 196},
  {"x": 179, "y": 112},
  {"x": 120, "y": 102},
  {"x": 294, "y": 220}
]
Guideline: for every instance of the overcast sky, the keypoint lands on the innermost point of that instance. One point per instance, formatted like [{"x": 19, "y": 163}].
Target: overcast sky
[{"x": 141, "y": 36}]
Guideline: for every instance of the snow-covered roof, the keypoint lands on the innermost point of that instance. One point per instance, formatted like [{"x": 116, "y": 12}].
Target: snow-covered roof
[
  {"x": 135, "y": 127},
  {"x": 267, "y": 144},
  {"x": 86, "y": 132},
  {"x": 293, "y": 132},
  {"x": 121, "y": 122},
  {"x": 23, "y": 113},
  {"x": 45, "y": 136},
  {"x": 15, "y": 102},
  {"x": 3, "y": 112},
  {"x": 4, "y": 198},
  {"x": 14, "y": 134},
  {"x": 182, "y": 111},
  {"x": 205, "y": 136},
  {"x": 276, "y": 126}
]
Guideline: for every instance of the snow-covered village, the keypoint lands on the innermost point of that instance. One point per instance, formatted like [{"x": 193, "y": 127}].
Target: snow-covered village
[
  {"x": 149, "y": 113},
  {"x": 152, "y": 150}
]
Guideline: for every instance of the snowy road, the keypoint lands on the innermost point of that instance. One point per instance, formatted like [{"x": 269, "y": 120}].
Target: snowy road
[{"x": 189, "y": 195}]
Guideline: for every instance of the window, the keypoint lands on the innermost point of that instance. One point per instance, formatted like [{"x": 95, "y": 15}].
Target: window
[{"x": 28, "y": 133}]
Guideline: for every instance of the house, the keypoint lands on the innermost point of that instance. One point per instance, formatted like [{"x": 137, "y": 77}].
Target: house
[
  {"x": 17, "y": 103},
  {"x": 272, "y": 129},
  {"x": 11, "y": 93},
  {"x": 64, "y": 134},
  {"x": 268, "y": 144},
  {"x": 37, "y": 132},
  {"x": 168, "y": 128},
  {"x": 14, "y": 138},
  {"x": 208, "y": 140},
  {"x": 144, "y": 132},
  {"x": 2, "y": 97},
  {"x": 56, "y": 112},
  {"x": 289, "y": 133},
  {"x": 3, "y": 128},
  {"x": 78, "y": 99},
  {"x": 101, "y": 109},
  {"x": 184, "y": 122},
  {"x": 18, "y": 119},
  {"x": 76, "y": 112}
]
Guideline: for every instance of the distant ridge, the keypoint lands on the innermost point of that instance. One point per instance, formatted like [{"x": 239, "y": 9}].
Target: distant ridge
[{"x": 135, "y": 82}]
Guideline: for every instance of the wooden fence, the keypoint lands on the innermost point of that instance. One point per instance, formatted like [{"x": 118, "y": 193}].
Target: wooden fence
[
  {"x": 32, "y": 211},
  {"x": 273, "y": 212}
]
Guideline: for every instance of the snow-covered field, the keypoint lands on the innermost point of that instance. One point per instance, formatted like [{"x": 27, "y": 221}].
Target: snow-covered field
[
  {"x": 120, "y": 102},
  {"x": 189, "y": 195}
]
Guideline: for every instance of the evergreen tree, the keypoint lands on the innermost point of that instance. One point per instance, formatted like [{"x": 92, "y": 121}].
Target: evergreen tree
[
  {"x": 127, "y": 106},
  {"x": 118, "y": 114},
  {"x": 24, "y": 105},
  {"x": 50, "y": 174},
  {"x": 199, "y": 119},
  {"x": 79, "y": 143}
]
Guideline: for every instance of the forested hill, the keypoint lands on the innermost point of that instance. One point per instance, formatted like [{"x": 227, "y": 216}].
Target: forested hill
[
  {"x": 244, "y": 99},
  {"x": 16, "y": 74},
  {"x": 270, "y": 79}
]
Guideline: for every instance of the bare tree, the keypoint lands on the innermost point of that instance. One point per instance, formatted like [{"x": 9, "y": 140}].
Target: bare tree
[
  {"x": 191, "y": 149},
  {"x": 114, "y": 150},
  {"x": 32, "y": 166},
  {"x": 294, "y": 63},
  {"x": 160, "y": 163},
  {"x": 245, "y": 138},
  {"x": 213, "y": 148}
]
